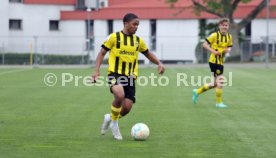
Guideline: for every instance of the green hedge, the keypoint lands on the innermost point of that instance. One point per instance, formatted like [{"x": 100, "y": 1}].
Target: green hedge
[
  {"x": 15, "y": 58},
  {"x": 24, "y": 59}
]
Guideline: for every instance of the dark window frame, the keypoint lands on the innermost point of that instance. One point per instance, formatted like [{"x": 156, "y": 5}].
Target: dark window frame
[
  {"x": 80, "y": 5},
  {"x": 54, "y": 25},
  {"x": 15, "y": 24},
  {"x": 110, "y": 24},
  {"x": 90, "y": 35},
  {"x": 248, "y": 30},
  {"x": 153, "y": 32},
  {"x": 16, "y": 1}
]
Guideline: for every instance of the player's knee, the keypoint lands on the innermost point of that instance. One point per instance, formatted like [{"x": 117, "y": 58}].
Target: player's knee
[
  {"x": 219, "y": 81},
  {"x": 119, "y": 96},
  {"x": 212, "y": 85}
]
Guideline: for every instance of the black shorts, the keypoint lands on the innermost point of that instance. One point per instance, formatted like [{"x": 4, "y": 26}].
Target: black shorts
[
  {"x": 216, "y": 69},
  {"x": 127, "y": 82}
]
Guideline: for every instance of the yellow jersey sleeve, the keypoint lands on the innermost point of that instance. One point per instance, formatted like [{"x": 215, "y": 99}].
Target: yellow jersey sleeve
[
  {"x": 143, "y": 46},
  {"x": 212, "y": 38},
  {"x": 109, "y": 42}
]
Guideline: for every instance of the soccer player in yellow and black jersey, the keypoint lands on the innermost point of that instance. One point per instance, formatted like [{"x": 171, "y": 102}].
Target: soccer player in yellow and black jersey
[
  {"x": 218, "y": 43},
  {"x": 123, "y": 47}
]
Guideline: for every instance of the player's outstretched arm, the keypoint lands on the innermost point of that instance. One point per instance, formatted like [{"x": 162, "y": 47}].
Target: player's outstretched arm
[
  {"x": 153, "y": 58},
  {"x": 99, "y": 61}
]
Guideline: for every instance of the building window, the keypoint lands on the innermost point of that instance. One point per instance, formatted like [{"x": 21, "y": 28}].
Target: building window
[
  {"x": 248, "y": 30},
  {"x": 90, "y": 34},
  {"x": 103, "y": 3},
  {"x": 202, "y": 28},
  {"x": 80, "y": 4},
  {"x": 54, "y": 25},
  {"x": 15, "y": 24},
  {"x": 153, "y": 34},
  {"x": 16, "y": 1},
  {"x": 110, "y": 26}
]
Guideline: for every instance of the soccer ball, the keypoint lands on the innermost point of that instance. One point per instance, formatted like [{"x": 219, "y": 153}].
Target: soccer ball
[{"x": 140, "y": 131}]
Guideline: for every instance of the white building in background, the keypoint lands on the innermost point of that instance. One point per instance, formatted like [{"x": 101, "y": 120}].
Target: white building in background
[
  {"x": 39, "y": 25},
  {"x": 61, "y": 27}
]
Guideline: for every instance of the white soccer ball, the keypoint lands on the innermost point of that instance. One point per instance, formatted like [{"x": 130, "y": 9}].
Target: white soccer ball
[{"x": 140, "y": 131}]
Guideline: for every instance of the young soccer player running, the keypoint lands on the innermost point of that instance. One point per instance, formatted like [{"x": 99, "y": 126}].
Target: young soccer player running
[
  {"x": 123, "y": 47},
  {"x": 218, "y": 43}
]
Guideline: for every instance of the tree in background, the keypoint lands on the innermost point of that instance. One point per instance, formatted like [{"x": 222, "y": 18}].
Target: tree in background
[{"x": 226, "y": 8}]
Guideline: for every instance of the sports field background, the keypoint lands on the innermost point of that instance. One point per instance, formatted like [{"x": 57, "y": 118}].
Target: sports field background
[{"x": 55, "y": 122}]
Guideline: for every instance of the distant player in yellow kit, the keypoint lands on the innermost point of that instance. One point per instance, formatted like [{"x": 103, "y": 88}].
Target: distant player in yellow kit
[{"x": 218, "y": 43}]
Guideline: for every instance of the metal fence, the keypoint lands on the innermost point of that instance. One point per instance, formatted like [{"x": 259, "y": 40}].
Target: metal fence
[
  {"x": 251, "y": 49},
  {"x": 41, "y": 50},
  {"x": 254, "y": 49}
]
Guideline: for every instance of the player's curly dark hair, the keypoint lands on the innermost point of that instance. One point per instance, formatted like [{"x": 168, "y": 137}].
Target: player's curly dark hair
[{"x": 129, "y": 16}]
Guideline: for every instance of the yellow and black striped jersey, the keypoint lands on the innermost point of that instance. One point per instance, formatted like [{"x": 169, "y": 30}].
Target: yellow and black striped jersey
[
  {"x": 123, "y": 55},
  {"x": 219, "y": 42}
]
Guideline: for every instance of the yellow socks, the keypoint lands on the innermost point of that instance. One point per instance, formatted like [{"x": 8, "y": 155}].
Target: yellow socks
[
  {"x": 218, "y": 92},
  {"x": 115, "y": 112},
  {"x": 202, "y": 89},
  {"x": 218, "y": 95}
]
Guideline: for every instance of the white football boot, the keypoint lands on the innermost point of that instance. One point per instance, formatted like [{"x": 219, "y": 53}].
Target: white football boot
[
  {"x": 106, "y": 123},
  {"x": 115, "y": 130}
]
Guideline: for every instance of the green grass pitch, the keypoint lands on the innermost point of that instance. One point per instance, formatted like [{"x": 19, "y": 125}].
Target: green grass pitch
[{"x": 64, "y": 121}]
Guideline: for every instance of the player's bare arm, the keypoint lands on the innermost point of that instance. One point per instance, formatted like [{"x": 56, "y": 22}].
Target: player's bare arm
[
  {"x": 227, "y": 50},
  {"x": 207, "y": 46},
  {"x": 153, "y": 58},
  {"x": 99, "y": 61}
]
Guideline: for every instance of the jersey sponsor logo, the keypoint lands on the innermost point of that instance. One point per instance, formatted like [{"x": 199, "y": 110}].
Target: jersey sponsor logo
[{"x": 123, "y": 52}]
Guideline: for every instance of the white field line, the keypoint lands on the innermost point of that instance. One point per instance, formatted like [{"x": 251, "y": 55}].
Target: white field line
[{"x": 13, "y": 71}]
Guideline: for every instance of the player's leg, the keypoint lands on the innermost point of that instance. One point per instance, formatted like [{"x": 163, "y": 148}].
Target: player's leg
[
  {"x": 219, "y": 103},
  {"x": 205, "y": 87},
  {"x": 118, "y": 92},
  {"x": 219, "y": 91},
  {"x": 129, "y": 99},
  {"x": 126, "y": 107},
  {"x": 119, "y": 96},
  {"x": 219, "y": 82}
]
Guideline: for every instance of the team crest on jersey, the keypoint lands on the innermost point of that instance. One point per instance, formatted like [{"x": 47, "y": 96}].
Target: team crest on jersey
[
  {"x": 218, "y": 72},
  {"x": 113, "y": 81}
]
